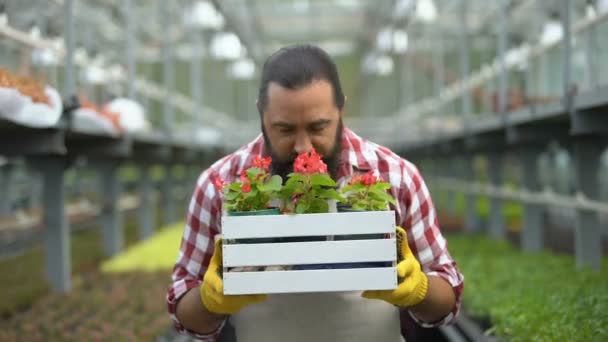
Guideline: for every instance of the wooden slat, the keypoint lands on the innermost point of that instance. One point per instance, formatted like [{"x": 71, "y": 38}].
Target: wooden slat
[
  {"x": 304, "y": 253},
  {"x": 357, "y": 279},
  {"x": 369, "y": 222}
]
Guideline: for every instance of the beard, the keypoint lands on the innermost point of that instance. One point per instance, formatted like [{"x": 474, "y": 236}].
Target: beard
[{"x": 283, "y": 167}]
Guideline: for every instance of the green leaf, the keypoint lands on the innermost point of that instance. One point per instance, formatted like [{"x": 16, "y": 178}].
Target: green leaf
[
  {"x": 231, "y": 195},
  {"x": 289, "y": 190},
  {"x": 301, "y": 208},
  {"x": 383, "y": 196},
  {"x": 378, "y": 205},
  {"x": 319, "y": 206},
  {"x": 252, "y": 193},
  {"x": 253, "y": 172},
  {"x": 295, "y": 177},
  {"x": 381, "y": 186},
  {"x": 332, "y": 194},
  {"x": 322, "y": 179},
  {"x": 359, "y": 206},
  {"x": 274, "y": 184},
  {"x": 236, "y": 186},
  {"x": 353, "y": 187}
]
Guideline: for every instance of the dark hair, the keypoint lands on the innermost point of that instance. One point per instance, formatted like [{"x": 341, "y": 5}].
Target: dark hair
[{"x": 296, "y": 66}]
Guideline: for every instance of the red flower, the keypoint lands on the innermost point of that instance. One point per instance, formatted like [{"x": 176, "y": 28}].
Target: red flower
[
  {"x": 218, "y": 183},
  {"x": 356, "y": 179},
  {"x": 246, "y": 188},
  {"x": 262, "y": 163},
  {"x": 369, "y": 179},
  {"x": 310, "y": 162},
  {"x": 244, "y": 178}
]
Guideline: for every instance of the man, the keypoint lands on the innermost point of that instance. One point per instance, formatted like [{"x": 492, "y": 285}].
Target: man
[{"x": 301, "y": 106}]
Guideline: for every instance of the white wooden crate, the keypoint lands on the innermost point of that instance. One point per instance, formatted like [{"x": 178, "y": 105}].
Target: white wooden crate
[{"x": 346, "y": 250}]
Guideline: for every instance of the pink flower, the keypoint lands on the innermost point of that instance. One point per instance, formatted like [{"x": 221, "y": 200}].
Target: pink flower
[
  {"x": 246, "y": 188},
  {"x": 369, "y": 178},
  {"x": 262, "y": 163},
  {"x": 356, "y": 179},
  {"x": 310, "y": 162}
]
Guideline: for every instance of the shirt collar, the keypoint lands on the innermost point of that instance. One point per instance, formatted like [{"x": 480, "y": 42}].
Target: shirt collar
[{"x": 352, "y": 159}]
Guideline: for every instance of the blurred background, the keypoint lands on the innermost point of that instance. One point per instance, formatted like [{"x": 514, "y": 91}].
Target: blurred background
[{"x": 109, "y": 111}]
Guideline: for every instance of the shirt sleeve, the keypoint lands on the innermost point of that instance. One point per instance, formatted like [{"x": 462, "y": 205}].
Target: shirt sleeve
[
  {"x": 196, "y": 249},
  {"x": 419, "y": 220}
]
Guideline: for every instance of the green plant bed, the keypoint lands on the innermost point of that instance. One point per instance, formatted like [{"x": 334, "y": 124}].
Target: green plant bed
[
  {"x": 512, "y": 211},
  {"x": 116, "y": 307},
  {"x": 23, "y": 279},
  {"x": 157, "y": 253},
  {"x": 531, "y": 296}
]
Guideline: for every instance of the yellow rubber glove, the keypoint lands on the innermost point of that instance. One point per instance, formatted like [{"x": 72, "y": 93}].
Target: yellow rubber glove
[
  {"x": 212, "y": 289},
  {"x": 413, "y": 283}
]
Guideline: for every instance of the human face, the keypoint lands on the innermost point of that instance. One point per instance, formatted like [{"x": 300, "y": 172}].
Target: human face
[{"x": 296, "y": 121}]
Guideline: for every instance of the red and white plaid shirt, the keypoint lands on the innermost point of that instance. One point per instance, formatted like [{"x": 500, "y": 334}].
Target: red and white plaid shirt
[{"x": 415, "y": 213}]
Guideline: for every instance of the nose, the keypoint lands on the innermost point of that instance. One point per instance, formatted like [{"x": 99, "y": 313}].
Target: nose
[{"x": 303, "y": 144}]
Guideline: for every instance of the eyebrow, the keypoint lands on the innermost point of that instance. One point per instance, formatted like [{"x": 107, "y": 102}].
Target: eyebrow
[
  {"x": 283, "y": 124},
  {"x": 320, "y": 122}
]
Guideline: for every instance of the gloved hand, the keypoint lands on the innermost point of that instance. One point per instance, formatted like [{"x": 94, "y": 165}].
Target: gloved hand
[
  {"x": 413, "y": 283},
  {"x": 212, "y": 289}
]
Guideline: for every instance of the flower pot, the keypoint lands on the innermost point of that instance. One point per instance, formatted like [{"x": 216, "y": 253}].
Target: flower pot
[
  {"x": 345, "y": 208},
  {"x": 269, "y": 211}
]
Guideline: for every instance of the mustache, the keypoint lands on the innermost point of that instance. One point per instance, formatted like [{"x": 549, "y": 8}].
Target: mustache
[{"x": 284, "y": 166}]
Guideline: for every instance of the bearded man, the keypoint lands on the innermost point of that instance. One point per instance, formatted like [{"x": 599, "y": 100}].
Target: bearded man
[{"x": 301, "y": 107}]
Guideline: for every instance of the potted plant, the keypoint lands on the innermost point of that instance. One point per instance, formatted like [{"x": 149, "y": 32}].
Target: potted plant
[
  {"x": 309, "y": 187},
  {"x": 366, "y": 192},
  {"x": 307, "y": 190},
  {"x": 252, "y": 193}
]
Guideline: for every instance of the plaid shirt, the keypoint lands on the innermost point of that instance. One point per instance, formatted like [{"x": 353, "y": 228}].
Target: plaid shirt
[{"x": 415, "y": 213}]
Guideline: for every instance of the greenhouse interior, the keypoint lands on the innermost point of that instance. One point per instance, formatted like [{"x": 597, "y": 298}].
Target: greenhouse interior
[{"x": 116, "y": 115}]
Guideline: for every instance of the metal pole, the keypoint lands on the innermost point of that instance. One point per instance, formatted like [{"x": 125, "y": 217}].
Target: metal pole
[
  {"x": 168, "y": 109},
  {"x": 68, "y": 34},
  {"x": 89, "y": 88},
  {"x": 465, "y": 64},
  {"x": 131, "y": 48},
  {"x": 168, "y": 195},
  {"x": 196, "y": 83},
  {"x": 502, "y": 52},
  {"x": 57, "y": 230},
  {"x": 111, "y": 217},
  {"x": 471, "y": 218},
  {"x": 532, "y": 233},
  {"x": 567, "y": 41},
  {"x": 591, "y": 51},
  {"x": 6, "y": 189},
  {"x": 411, "y": 94},
  {"x": 452, "y": 170},
  {"x": 146, "y": 211},
  {"x": 168, "y": 70},
  {"x": 588, "y": 232},
  {"x": 438, "y": 62},
  {"x": 495, "y": 170}
]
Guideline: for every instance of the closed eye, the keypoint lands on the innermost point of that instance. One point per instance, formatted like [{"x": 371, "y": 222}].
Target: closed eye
[
  {"x": 318, "y": 127},
  {"x": 283, "y": 128}
]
